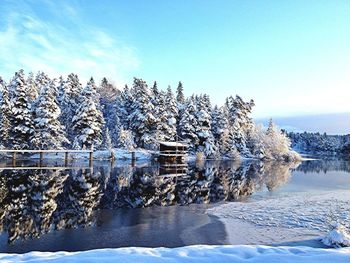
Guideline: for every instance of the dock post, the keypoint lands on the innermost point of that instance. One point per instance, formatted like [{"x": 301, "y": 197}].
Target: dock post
[
  {"x": 14, "y": 159},
  {"x": 91, "y": 155},
  {"x": 41, "y": 158},
  {"x": 66, "y": 159},
  {"x": 133, "y": 159}
]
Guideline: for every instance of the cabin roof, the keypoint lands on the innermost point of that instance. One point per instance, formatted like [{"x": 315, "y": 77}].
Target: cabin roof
[{"x": 173, "y": 144}]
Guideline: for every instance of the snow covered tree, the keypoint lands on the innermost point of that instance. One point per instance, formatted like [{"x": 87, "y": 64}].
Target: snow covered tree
[
  {"x": 5, "y": 112},
  {"x": 87, "y": 121},
  {"x": 49, "y": 133},
  {"x": 257, "y": 142},
  {"x": 155, "y": 91},
  {"x": 141, "y": 118},
  {"x": 161, "y": 128},
  {"x": 171, "y": 114},
  {"x": 222, "y": 132},
  {"x": 69, "y": 101},
  {"x": 20, "y": 118},
  {"x": 33, "y": 88},
  {"x": 107, "y": 141},
  {"x": 126, "y": 140},
  {"x": 206, "y": 142},
  {"x": 277, "y": 143},
  {"x": 240, "y": 121},
  {"x": 108, "y": 94},
  {"x": 187, "y": 125},
  {"x": 180, "y": 97}
]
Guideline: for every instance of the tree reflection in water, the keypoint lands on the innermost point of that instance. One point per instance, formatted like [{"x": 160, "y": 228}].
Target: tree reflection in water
[{"x": 34, "y": 202}]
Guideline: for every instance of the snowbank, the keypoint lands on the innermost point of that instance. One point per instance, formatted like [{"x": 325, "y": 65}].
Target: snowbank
[
  {"x": 337, "y": 237},
  {"x": 199, "y": 253}
]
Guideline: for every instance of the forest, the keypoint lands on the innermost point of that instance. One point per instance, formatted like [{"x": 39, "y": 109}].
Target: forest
[
  {"x": 320, "y": 143},
  {"x": 39, "y": 112}
]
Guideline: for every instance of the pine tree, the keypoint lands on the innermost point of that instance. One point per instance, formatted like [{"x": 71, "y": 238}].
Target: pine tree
[
  {"x": 171, "y": 114},
  {"x": 126, "y": 140},
  {"x": 187, "y": 125},
  {"x": 20, "y": 118},
  {"x": 33, "y": 88},
  {"x": 161, "y": 127},
  {"x": 240, "y": 121},
  {"x": 141, "y": 118},
  {"x": 277, "y": 143},
  {"x": 206, "y": 142},
  {"x": 107, "y": 141},
  {"x": 87, "y": 121},
  {"x": 222, "y": 133},
  {"x": 49, "y": 133},
  {"x": 155, "y": 91},
  {"x": 180, "y": 97},
  {"x": 69, "y": 99},
  {"x": 4, "y": 114}
]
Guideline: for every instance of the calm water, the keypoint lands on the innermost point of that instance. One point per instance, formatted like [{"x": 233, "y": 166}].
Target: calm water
[{"x": 122, "y": 205}]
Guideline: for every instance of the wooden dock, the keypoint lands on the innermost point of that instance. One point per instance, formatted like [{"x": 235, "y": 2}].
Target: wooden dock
[{"x": 42, "y": 152}]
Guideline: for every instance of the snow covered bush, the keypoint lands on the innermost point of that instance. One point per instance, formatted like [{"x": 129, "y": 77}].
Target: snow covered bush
[
  {"x": 338, "y": 236},
  {"x": 271, "y": 144}
]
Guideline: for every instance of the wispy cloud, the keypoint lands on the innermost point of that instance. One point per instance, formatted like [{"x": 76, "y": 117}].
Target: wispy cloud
[{"x": 58, "y": 41}]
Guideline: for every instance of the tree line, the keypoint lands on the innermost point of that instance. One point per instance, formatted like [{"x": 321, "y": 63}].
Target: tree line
[{"x": 38, "y": 112}]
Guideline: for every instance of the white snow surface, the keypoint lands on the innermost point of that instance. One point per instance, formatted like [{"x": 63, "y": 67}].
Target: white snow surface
[
  {"x": 173, "y": 144},
  {"x": 312, "y": 211},
  {"x": 198, "y": 253},
  {"x": 287, "y": 219}
]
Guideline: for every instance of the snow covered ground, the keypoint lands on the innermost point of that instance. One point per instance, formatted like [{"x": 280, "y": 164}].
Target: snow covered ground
[
  {"x": 292, "y": 219},
  {"x": 199, "y": 253}
]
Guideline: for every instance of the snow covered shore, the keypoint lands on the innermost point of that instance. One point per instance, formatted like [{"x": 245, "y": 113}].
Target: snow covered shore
[
  {"x": 198, "y": 253},
  {"x": 292, "y": 219}
]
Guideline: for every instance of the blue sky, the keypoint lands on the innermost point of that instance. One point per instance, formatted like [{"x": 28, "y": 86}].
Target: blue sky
[{"x": 291, "y": 57}]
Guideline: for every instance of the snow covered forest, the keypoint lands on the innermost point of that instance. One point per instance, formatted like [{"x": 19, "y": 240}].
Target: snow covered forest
[
  {"x": 317, "y": 143},
  {"x": 38, "y": 112}
]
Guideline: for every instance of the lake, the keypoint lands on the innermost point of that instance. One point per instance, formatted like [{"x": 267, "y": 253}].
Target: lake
[{"x": 118, "y": 204}]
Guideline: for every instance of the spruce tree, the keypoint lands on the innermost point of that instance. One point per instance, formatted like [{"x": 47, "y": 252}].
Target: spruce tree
[
  {"x": 155, "y": 91},
  {"x": 188, "y": 124},
  {"x": 5, "y": 113},
  {"x": 69, "y": 99},
  {"x": 88, "y": 121},
  {"x": 171, "y": 114},
  {"x": 49, "y": 133},
  {"x": 33, "y": 88},
  {"x": 20, "y": 119},
  {"x": 141, "y": 118},
  {"x": 180, "y": 97},
  {"x": 206, "y": 142}
]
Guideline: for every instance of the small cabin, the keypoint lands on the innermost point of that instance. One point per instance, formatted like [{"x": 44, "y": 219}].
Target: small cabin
[{"x": 172, "y": 152}]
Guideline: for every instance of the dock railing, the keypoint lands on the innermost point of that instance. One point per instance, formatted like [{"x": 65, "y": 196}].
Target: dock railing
[{"x": 41, "y": 153}]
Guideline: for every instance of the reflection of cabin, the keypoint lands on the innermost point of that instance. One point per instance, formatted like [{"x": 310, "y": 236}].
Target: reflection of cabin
[
  {"x": 172, "y": 152},
  {"x": 173, "y": 170}
]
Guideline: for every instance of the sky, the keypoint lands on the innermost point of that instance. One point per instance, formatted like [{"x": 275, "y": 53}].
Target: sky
[{"x": 291, "y": 57}]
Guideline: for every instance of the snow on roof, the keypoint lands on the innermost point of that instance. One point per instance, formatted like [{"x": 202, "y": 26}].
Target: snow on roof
[{"x": 174, "y": 144}]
